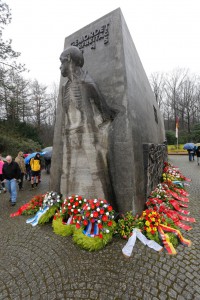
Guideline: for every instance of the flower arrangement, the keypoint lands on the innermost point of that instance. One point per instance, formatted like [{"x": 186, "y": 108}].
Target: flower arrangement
[
  {"x": 100, "y": 212},
  {"x": 69, "y": 216},
  {"x": 172, "y": 173},
  {"x": 97, "y": 225},
  {"x": 34, "y": 205},
  {"x": 148, "y": 223},
  {"x": 53, "y": 201}
]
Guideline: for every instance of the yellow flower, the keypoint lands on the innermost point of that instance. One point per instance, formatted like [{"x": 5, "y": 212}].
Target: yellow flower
[
  {"x": 154, "y": 229},
  {"x": 148, "y": 229},
  {"x": 153, "y": 219},
  {"x": 156, "y": 223},
  {"x": 147, "y": 223}
]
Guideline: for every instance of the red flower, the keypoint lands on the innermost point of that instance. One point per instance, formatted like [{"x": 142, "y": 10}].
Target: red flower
[
  {"x": 110, "y": 208},
  {"x": 100, "y": 226},
  {"x": 101, "y": 236},
  {"x": 87, "y": 214},
  {"x": 85, "y": 222},
  {"x": 76, "y": 203},
  {"x": 71, "y": 200},
  {"x": 92, "y": 220},
  {"x": 104, "y": 218},
  {"x": 109, "y": 223},
  {"x": 79, "y": 197},
  {"x": 78, "y": 225},
  {"x": 101, "y": 211},
  {"x": 95, "y": 214}
]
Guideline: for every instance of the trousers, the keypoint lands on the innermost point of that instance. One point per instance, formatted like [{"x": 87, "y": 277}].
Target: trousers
[{"x": 11, "y": 186}]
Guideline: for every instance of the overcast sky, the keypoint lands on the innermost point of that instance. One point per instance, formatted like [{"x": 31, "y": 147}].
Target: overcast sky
[{"x": 165, "y": 32}]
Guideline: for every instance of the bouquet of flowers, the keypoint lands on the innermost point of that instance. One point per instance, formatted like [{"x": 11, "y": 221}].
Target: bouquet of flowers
[
  {"x": 34, "y": 205},
  {"x": 69, "y": 216},
  {"x": 98, "y": 223},
  {"x": 148, "y": 223},
  {"x": 53, "y": 201}
]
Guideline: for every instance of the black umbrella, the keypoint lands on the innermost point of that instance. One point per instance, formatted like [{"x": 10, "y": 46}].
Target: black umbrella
[{"x": 48, "y": 155}]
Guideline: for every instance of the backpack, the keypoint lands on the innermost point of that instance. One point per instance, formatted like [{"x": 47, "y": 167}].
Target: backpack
[{"x": 35, "y": 164}]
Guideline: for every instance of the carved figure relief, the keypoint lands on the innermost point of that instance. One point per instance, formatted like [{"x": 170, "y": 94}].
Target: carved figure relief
[{"x": 87, "y": 119}]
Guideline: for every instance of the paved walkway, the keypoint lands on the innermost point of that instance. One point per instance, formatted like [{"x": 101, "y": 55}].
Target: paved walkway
[{"x": 37, "y": 264}]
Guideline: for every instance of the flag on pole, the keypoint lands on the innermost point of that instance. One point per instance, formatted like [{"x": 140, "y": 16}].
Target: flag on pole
[{"x": 177, "y": 124}]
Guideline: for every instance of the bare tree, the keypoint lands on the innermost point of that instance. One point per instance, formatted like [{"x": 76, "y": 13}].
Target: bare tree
[{"x": 157, "y": 81}]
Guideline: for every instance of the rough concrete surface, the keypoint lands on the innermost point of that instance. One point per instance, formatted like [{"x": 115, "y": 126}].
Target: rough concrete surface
[{"x": 37, "y": 264}]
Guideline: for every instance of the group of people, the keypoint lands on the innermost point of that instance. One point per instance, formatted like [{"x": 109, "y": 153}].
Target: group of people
[
  {"x": 12, "y": 174},
  {"x": 192, "y": 152}
]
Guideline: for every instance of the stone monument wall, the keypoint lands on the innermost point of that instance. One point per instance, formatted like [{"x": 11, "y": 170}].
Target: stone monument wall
[{"x": 112, "y": 61}]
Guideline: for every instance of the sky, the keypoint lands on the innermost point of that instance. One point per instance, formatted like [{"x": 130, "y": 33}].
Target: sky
[{"x": 165, "y": 32}]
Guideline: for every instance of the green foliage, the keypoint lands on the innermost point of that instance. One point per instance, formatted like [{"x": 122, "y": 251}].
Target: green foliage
[
  {"x": 170, "y": 136},
  {"x": 126, "y": 224},
  {"x": 18, "y": 137},
  {"x": 92, "y": 243},
  {"x": 195, "y": 133},
  {"x": 48, "y": 215},
  {"x": 62, "y": 229}
]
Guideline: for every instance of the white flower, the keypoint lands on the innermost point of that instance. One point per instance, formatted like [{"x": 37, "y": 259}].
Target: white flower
[
  {"x": 85, "y": 200},
  {"x": 107, "y": 213},
  {"x": 69, "y": 204},
  {"x": 95, "y": 200},
  {"x": 73, "y": 206},
  {"x": 91, "y": 215},
  {"x": 58, "y": 200},
  {"x": 80, "y": 201},
  {"x": 88, "y": 208},
  {"x": 105, "y": 205},
  {"x": 107, "y": 230},
  {"x": 98, "y": 209},
  {"x": 72, "y": 210},
  {"x": 99, "y": 221},
  {"x": 79, "y": 209}
]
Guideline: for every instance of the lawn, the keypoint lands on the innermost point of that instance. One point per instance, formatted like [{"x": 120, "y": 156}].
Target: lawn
[{"x": 172, "y": 149}]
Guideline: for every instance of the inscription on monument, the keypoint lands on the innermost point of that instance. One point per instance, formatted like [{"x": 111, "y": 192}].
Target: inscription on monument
[{"x": 90, "y": 39}]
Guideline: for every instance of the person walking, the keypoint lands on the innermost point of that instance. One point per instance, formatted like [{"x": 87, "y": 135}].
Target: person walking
[
  {"x": 1, "y": 174},
  {"x": 20, "y": 160},
  {"x": 35, "y": 164},
  {"x": 198, "y": 154},
  {"x": 11, "y": 173}
]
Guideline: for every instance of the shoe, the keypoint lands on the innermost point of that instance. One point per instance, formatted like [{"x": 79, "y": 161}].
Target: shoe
[{"x": 13, "y": 203}]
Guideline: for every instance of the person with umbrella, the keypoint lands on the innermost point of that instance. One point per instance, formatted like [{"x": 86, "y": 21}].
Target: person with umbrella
[{"x": 190, "y": 148}]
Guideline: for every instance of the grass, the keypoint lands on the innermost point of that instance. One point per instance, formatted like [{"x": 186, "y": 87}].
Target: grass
[{"x": 173, "y": 149}]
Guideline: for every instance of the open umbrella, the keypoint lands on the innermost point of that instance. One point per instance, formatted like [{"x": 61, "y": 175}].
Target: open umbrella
[
  {"x": 48, "y": 155},
  {"x": 197, "y": 144},
  {"x": 27, "y": 159},
  {"x": 188, "y": 146},
  {"x": 47, "y": 149}
]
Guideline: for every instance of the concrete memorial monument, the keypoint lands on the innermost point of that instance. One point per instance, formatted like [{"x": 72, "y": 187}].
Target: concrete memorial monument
[{"x": 108, "y": 123}]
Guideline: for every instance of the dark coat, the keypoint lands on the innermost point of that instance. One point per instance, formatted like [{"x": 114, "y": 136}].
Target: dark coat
[{"x": 11, "y": 171}]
